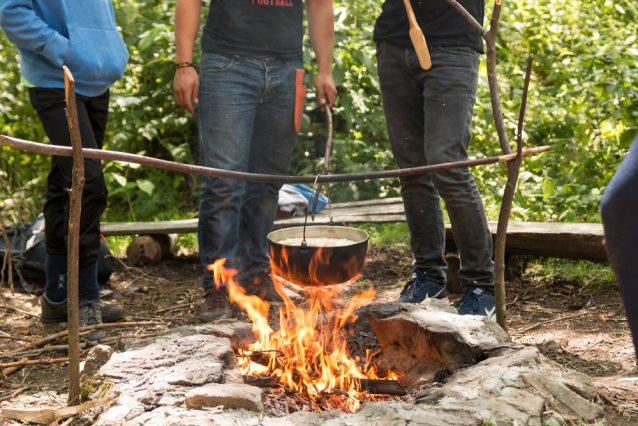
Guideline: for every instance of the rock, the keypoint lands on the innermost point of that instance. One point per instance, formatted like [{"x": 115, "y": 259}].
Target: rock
[
  {"x": 96, "y": 358},
  {"x": 192, "y": 361},
  {"x": 514, "y": 387},
  {"x": 418, "y": 343},
  {"x": 142, "y": 377},
  {"x": 233, "y": 396}
]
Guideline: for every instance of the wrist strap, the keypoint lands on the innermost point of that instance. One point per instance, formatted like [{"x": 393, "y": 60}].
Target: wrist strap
[{"x": 185, "y": 65}]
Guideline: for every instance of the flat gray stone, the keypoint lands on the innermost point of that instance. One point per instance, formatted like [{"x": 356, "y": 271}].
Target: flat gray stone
[
  {"x": 190, "y": 361},
  {"x": 231, "y": 396}
]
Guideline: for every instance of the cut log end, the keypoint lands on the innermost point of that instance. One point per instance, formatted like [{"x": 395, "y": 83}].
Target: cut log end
[{"x": 150, "y": 249}]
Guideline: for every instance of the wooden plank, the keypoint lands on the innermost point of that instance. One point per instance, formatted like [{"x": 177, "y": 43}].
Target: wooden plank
[
  {"x": 341, "y": 220},
  {"x": 142, "y": 228},
  {"x": 369, "y": 203},
  {"x": 567, "y": 240}
]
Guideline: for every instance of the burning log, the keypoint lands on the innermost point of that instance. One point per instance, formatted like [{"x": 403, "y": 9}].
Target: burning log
[
  {"x": 371, "y": 386},
  {"x": 261, "y": 381},
  {"x": 380, "y": 387}
]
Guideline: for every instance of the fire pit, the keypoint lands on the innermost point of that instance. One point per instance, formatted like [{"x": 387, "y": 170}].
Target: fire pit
[{"x": 308, "y": 354}]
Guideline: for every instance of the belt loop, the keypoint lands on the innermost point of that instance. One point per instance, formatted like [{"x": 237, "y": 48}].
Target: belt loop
[{"x": 237, "y": 59}]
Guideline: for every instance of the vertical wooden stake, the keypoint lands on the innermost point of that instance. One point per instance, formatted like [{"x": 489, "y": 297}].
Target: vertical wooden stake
[
  {"x": 73, "y": 250},
  {"x": 513, "y": 169},
  {"x": 7, "y": 257}
]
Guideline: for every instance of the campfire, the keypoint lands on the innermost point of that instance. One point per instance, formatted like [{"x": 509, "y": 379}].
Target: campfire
[{"x": 307, "y": 355}]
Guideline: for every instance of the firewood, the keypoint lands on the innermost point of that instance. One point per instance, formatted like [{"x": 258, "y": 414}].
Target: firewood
[
  {"x": 261, "y": 381},
  {"x": 56, "y": 336},
  {"x": 47, "y": 415},
  {"x": 34, "y": 362},
  {"x": 380, "y": 387},
  {"x": 150, "y": 249}
]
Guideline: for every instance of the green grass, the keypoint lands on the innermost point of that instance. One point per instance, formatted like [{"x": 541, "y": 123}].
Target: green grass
[
  {"x": 594, "y": 275},
  {"x": 188, "y": 242},
  {"x": 387, "y": 234},
  {"x": 118, "y": 244}
]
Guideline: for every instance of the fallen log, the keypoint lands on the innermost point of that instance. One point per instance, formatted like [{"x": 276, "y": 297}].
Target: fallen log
[{"x": 56, "y": 336}]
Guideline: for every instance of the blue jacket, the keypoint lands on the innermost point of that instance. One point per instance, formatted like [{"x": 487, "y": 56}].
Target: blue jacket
[{"x": 80, "y": 34}]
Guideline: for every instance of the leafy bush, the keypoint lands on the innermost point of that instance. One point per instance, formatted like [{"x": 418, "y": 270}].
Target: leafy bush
[{"x": 583, "y": 101}]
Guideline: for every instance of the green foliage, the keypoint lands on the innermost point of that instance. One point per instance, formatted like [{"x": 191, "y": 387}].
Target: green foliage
[{"x": 583, "y": 101}]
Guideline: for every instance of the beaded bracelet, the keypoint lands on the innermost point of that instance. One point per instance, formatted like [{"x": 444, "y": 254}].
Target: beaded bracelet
[{"x": 185, "y": 65}]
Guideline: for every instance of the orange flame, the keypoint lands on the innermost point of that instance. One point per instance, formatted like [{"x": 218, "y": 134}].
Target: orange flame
[{"x": 308, "y": 353}]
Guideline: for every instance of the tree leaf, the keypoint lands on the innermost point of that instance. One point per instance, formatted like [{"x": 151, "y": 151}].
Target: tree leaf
[{"x": 146, "y": 186}]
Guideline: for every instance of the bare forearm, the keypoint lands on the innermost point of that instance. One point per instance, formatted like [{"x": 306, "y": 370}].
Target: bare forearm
[
  {"x": 187, "y": 20},
  {"x": 321, "y": 29}
]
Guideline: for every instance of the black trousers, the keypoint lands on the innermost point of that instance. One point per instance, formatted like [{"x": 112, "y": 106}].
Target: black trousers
[{"x": 92, "y": 115}]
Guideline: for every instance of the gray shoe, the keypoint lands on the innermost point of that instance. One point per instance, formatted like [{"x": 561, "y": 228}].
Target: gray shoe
[
  {"x": 90, "y": 314},
  {"x": 216, "y": 306},
  {"x": 56, "y": 312}
]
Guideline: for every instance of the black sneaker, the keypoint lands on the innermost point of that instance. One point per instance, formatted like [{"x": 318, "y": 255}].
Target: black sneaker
[
  {"x": 263, "y": 287},
  {"x": 56, "y": 312},
  {"x": 420, "y": 288},
  {"x": 91, "y": 314},
  {"x": 216, "y": 305},
  {"x": 477, "y": 301}
]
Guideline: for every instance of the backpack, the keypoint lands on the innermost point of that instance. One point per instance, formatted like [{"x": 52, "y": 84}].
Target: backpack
[{"x": 28, "y": 254}]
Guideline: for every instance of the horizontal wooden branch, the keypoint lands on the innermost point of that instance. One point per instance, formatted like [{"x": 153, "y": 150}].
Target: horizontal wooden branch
[
  {"x": 33, "y": 362},
  {"x": 250, "y": 177},
  {"x": 56, "y": 336}
]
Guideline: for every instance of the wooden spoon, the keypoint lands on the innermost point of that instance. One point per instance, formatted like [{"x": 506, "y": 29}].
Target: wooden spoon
[{"x": 418, "y": 39}]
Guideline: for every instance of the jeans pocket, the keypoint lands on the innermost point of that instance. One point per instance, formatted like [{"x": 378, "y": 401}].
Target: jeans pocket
[
  {"x": 461, "y": 50},
  {"x": 213, "y": 63}
]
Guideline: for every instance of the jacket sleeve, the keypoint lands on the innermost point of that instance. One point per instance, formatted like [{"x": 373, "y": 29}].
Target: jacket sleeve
[{"x": 28, "y": 31}]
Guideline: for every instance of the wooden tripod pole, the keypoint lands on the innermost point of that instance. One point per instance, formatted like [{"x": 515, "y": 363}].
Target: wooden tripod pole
[{"x": 73, "y": 250}]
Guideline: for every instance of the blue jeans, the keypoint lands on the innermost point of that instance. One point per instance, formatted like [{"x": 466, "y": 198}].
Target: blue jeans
[
  {"x": 246, "y": 122},
  {"x": 619, "y": 209},
  {"x": 429, "y": 117}
]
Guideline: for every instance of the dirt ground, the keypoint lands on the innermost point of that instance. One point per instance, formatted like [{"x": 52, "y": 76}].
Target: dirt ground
[{"x": 579, "y": 329}]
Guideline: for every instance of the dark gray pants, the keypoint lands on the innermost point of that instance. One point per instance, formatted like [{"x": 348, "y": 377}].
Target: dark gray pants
[{"x": 428, "y": 116}]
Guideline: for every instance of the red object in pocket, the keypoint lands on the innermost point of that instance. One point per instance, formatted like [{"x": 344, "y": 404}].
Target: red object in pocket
[{"x": 300, "y": 97}]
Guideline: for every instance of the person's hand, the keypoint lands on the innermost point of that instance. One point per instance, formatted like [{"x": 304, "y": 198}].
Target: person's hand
[
  {"x": 326, "y": 90},
  {"x": 186, "y": 88}
]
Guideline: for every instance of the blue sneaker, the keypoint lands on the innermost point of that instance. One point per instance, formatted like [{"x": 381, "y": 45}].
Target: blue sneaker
[
  {"x": 477, "y": 301},
  {"x": 420, "y": 288}
]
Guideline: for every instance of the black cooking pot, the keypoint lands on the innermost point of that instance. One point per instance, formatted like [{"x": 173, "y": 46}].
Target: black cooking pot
[{"x": 318, "y": 266}]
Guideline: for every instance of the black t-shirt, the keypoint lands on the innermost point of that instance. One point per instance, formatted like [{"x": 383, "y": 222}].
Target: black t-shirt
[
  {"x": 442, "y": 25},
  {"x": 255, "y": 28}
]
